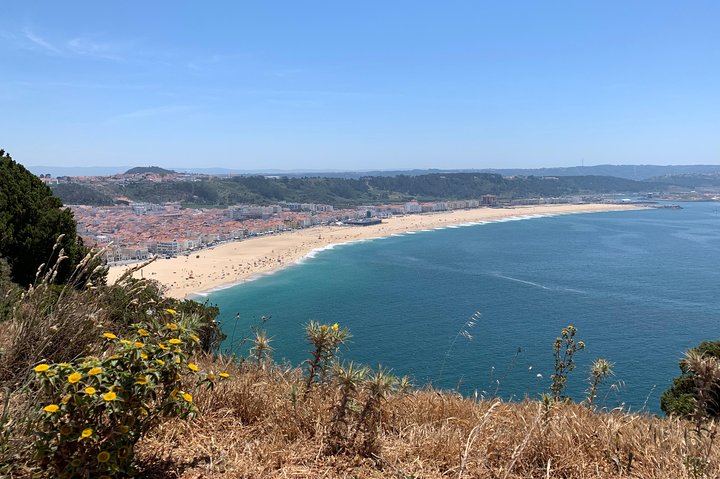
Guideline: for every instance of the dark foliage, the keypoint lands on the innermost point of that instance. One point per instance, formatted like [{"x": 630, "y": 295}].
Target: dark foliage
[
  {"x": 370, "y": 189},
  {"x": 9, "y": 291},
  {"x": 77, "y": 194},
  {"x": 679, "y": 399},
  {"x": 31, "y": 219}
]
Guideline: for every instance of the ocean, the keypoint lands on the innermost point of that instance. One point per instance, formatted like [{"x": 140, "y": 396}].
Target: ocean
[{"x": 641, "y": 287}]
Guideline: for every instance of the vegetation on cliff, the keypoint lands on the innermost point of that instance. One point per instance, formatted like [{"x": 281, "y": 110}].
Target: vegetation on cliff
[
  {"x": 370, "y": 189},
  {"x": 31, "y": 220}
]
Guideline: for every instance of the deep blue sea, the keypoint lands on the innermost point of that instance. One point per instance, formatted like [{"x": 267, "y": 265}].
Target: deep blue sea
[{"x": 640, "y": 286}]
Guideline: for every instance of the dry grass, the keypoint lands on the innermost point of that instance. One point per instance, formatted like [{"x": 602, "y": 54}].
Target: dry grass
[
  {"x": 260, "y": 424},
  {"x": 251, "y": 427}
]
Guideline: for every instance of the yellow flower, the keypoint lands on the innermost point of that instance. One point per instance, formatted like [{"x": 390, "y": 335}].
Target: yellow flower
[
  {"x": 51, "y": 408},
  {"x": 187, "y": 397},
  {"x": 143, "y": 332},
  {"x": 177, "y": 360},
  {"x": 160, "y": 362},
  {"x": 109, "y": 396},
  {"x": 163, "y": 347},
  {"x": 194, "y": 338},
  {"x": 90, "y": 391},
  {"x": 141, "y": 380},
  {"x": 335, "y": 328},
  {"x": 41, "y": 368},
  {"x": 125, "y": 341},
  {"x": 175, "y": 341},
  {"x": 143, "y": 411},
  {"x": 324, "y": 328},
  {"x": 104, "y": 456},
  {"x": 171, "y": 311},
  {"x": 211, "y": 376},
  {"x": 86, "y": 433},
  {"x": 172, "y": 326},
  {"x": 143, "y": 355},
  {"x": 94, "y": 371},
  {"x": 66, "y": 399},
  {"x": 224, "y": 375},
  {"x": 192, "y": 367},
  {"x": 109, "y": 335},
  {"x": 177, "y": 350},
  {"x": 74, "y": 377},
  {"x": 139, "y": 345}
]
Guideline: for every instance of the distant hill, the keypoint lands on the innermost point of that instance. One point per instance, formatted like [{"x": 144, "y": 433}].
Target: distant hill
[
  {"x": 77, "y": 194},
  {"x": 214, "y": 191},
  {"x": 690, "y": 180},
  {"x": 56, "y": 171},
  {"x": 154, "y": 170},
  {"x": 630, "y": 172}
]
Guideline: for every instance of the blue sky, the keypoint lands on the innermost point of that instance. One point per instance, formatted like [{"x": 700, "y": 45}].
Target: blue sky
[{"x": 360, "y": 85}]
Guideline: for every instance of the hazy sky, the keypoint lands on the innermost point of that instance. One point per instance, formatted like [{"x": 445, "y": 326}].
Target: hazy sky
[{"x": 360, "y": 85}]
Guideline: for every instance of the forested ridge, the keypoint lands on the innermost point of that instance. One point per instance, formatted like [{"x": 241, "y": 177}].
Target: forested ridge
[{"x": 216, "y": 191}]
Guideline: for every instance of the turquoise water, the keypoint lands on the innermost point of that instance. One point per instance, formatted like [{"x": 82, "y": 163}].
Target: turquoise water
[{"x": 640, "y": 286}]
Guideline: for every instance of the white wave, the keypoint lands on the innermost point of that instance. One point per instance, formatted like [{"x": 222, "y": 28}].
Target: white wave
[
  {"x": 518, "y": 280},
  {"x": 538, "y": 285}
]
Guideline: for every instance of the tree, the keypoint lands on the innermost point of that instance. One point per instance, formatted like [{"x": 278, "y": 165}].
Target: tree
[
  {"x": 681, "y": 397},
  {"x": 31, "y": 220}
]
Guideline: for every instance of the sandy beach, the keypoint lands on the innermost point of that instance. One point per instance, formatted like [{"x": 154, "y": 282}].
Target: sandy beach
[{"x": 235, "y": 262}]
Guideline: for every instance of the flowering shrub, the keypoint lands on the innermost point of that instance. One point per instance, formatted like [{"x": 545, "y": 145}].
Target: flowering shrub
[{"x": 94, "y": 410}]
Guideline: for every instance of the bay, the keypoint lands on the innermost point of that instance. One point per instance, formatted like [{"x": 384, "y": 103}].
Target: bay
[{"x": 640, "y": 287}]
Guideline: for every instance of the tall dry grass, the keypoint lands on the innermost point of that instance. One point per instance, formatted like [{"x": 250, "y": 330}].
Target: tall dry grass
[
  {"x": 252, "y": 427},
  {"x": 261, "y": 424},
  {"x": 60, "y": 322}
]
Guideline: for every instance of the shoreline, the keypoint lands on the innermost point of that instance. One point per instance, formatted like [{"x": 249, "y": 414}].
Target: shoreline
[{"x": 224, "y": 266}]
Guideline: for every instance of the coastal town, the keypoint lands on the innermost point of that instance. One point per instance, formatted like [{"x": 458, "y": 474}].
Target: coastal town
[
  {"x": 137, "y": 231},
  {"x": 140, "y": 230}
]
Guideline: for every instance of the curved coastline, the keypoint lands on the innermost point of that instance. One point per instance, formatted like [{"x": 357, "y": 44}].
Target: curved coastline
[{"x": 201, "y": 273}]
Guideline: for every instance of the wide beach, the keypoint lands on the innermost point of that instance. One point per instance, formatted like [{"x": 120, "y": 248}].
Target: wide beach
[{"x": 235, "y": 262}]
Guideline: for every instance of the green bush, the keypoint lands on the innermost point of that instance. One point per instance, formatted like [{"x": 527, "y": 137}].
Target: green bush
[{"x": 94, "y": 410}]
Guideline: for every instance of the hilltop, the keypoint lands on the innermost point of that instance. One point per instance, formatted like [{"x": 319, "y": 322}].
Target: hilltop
[{"x": 154, "y": 170}]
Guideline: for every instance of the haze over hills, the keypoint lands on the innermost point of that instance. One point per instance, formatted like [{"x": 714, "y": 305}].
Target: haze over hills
[{"x": 632, "y": 172}]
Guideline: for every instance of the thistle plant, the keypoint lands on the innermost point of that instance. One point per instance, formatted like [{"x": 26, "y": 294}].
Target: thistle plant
[
  {"x": 564, "y": 349},
  {"x": 378, "y": 385},
  {"x": 326, "y": 341},
  {"x": 600, "y": 370},
  {"x": 261, "y": 349},
  {"x": 350, "y": 378},
  {"x": 92, "y": 411},
  {"x": 706, "y": 376}
]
